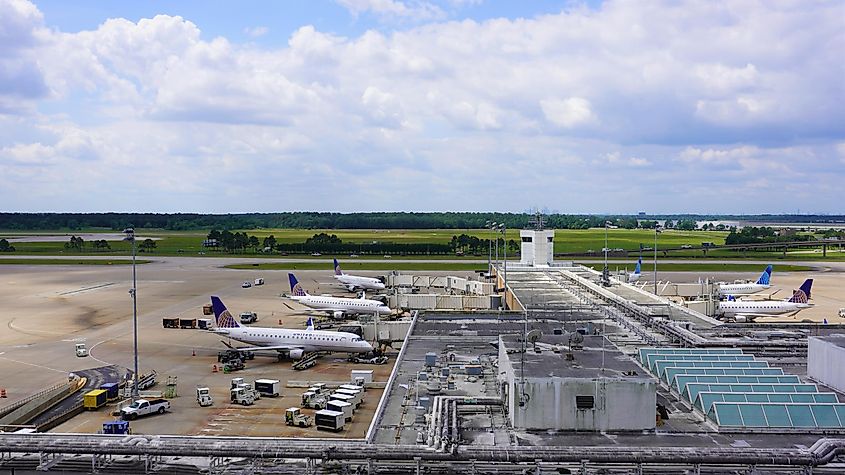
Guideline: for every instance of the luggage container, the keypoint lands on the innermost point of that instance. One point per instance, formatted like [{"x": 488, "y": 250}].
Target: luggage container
[
  {"x": 329, "y": 420},
  {"x": 343, "y": 397},
  {"x": 187, "y": 323},
  {"x": 365, "y": 376},
  {"x": 207, "y": 309},
  {"x": 94, "y": 399},
  {"x": 170, "y": 322},
  {"x": 357, "y": 395},
  {"x": 341, "y": 406},
  {"x": 112, "y": 390},
  {"x": 204, "y": 323},
  {"x": 268, "y": 387},
  {"x": 116, "y": 427}
]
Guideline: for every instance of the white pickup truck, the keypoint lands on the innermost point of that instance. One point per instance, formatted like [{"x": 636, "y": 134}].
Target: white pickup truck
[{"x": 144, "y": 407}]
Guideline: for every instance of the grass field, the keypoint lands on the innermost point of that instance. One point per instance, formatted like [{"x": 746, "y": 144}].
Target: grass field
[
  {"x": 188, "y": 243},
  {"x": 356, "y": 266},
  {"x": 71, "y": 262},
  {"x": 700, "y": 267}
]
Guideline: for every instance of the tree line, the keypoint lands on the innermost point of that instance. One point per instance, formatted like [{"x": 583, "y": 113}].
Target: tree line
[
  {"x": 384, "y": 220},
  {"x": 763, "y": 235}
]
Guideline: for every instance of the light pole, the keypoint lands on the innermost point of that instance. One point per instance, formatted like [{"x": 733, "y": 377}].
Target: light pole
[
  {"x": 505, "y": 248},
  {"x": 493, "y": 228},
  {"x": 130, "y": 236},
  {"x": 489, "y": 249},
  {"x": 605, "y": 274},
  {"x": 656, "y": 231}
]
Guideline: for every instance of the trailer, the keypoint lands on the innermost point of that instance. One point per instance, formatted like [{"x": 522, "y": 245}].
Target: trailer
[
  {"x": 116, "y": 427},
  {"x": 268, "y": 387},
  {"x": 360, "y": 377},
  {"x": 330, "y": 420},
  {"x": 207, "y": 309},
  {"x": 204, "y": 323},
  {"x": 357, "y": 395},
  {"x": 187, "y": 323},
  {"x": 170, "y": 322},
  {"x": 336, "y": 396},
  {"x": 341, "y": 406},
  {"x": 94, "y": 399},
  {"x": 112, "y": 390}
]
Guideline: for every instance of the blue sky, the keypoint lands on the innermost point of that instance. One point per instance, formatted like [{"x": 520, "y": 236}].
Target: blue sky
[{"x": 367, "y": 105}]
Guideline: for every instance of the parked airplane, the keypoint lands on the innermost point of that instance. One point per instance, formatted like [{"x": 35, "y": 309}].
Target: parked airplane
[
  {"x": 635, "y": 276},
  {"x": 336, "y": 306},
  {"x": 294, "y": 343},
  {"x": 748, "y": 288},
  {"x": 355, "y": 282},
  {"x": 748, "y": 310}
]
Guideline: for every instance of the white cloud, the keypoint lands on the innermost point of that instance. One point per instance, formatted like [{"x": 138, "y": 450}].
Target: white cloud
[
  {"x": 396, "y": 9},
  {"x": 661, "y": 92},
  {"x": 568, "y": 112},
  {"x": 256, "y": 31}
]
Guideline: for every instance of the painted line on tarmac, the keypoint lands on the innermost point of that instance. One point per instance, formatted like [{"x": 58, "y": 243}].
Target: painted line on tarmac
[
  {"x": 91, "y": 354},
  {"x": 33, "y": 364}
]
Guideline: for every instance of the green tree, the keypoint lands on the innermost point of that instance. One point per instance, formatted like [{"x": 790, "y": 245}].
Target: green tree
[
  {"x": 148, "y": 245},
  {"x": 5, "y": 246},
  {"x": 269, "y": 242}
]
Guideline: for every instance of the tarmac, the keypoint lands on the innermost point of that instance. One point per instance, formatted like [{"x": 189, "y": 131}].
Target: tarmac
[{"x": 48, "y": 309}]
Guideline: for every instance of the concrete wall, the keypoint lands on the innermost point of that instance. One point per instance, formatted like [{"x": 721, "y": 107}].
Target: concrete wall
[{"x": 826, "y": 362}]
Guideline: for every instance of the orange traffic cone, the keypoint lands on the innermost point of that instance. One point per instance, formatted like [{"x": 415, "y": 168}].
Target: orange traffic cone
[
  {"x": 3, "y": 392},
  {"x": 280, "y": 322},
  {"x": 214, "y": 369},
  {"x": 193, "y": 352}
]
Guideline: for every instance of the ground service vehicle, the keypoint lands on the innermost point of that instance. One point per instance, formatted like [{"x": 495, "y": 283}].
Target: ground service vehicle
[
  {"x": 249, "y": 317},
  {"x": 144, "y": 407},
  {"x": 204, "y": 398},
  {"x": 207, "y": 310},
  {"x": 81, "y": 350},
  {"x": 357, "y": 395},
  {"x": 268, "y": 387},
  {"x": 247, "y": 284},
  {"x": 343, "y": 397},
  {"x": 312, "y": 400},
  {"x": 93, "y": 400},
  {"x": 242, "y": 397},
  {"x": 329, "y": 420},
  {"x": 258, "y": 281},
  {"x": 293, "y": 417}
]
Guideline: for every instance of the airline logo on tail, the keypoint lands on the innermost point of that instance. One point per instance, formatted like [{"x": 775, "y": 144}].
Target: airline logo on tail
[
  {"x": 802, "y": 295},
  {"x": 310, "y": 325},
  {"x": 766, "y": 276},
  {"x": 295, "y": 287},
  {"x": 637, "y": 269},
  {"x": 222, "y": 317},
  {"x": 337, "y": 270}
]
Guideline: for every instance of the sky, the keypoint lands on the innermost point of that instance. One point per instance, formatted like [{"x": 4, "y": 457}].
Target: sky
[{"x": 423, "y": 105}]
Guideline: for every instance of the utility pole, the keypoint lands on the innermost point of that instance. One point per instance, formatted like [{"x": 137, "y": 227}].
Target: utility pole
[
  {"x": 130, "y": 236},
  {"x": 656, "y": 230}
]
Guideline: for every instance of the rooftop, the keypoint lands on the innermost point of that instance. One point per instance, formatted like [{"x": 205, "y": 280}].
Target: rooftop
[{"x": 599, "y": 358}]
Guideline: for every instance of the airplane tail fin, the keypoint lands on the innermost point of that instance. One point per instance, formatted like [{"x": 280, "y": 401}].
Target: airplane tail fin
[
  {"x": 222, "y": 317},
  {"x": 638, "y": 269},
  {"x": 337, "y": 270},
  {"x": 802, "y": 295},
  {"x": 295, "y": 287},
  {"x": 310, "y": 325},
  {"x": 766, "y": 276},
  {"x": 363, "y": 294}
]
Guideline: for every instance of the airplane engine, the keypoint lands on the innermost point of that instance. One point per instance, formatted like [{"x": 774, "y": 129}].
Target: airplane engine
[
  {"x": 350, "y": 288},
  {"x": 337, "y": 315},
  {"x": 295, "y": 354},
  {"x": 742, "y": 319}
]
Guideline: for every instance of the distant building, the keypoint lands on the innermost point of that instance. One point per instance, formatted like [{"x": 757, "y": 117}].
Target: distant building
[{"x": 641, "y": 214}]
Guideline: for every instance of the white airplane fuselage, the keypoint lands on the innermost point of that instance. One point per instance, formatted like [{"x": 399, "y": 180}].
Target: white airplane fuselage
[
  {"x": 353, "y": 282},
  {"x": 742, "y": 289},
  {"x": 342, "y": 305},
  {"x": 305, "y": 340},
  {"x": 760, "y": 308}
]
